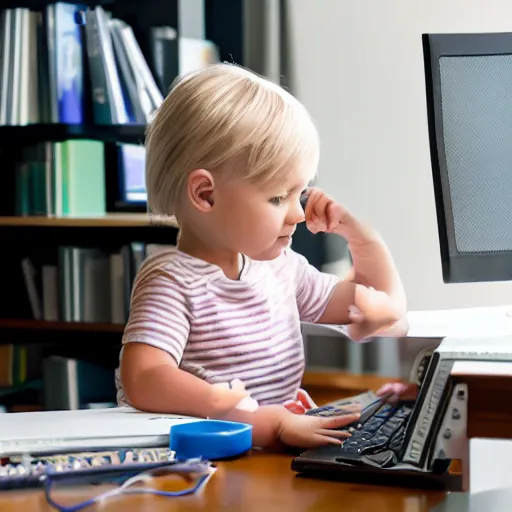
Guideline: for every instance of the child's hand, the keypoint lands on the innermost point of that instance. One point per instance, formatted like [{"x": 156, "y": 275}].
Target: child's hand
[
  {"x": 304, "y": 431},
  {"x": 324, "y": 214},
  {"x": 399, "y": 391},
  {"x": 301, "y": 403},
  {"x": 372, "y": 312}
]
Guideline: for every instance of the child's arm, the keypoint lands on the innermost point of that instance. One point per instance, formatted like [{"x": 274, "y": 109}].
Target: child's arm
[
  {"x": 373, "y": 299},
  {"x": 153, "y": 343},
  {"x": 152, "y": 382},
  {"x": 397, "y": 329}
]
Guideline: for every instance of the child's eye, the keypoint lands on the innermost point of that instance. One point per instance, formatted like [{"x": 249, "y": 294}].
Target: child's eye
[{"x": 276, "y": 201}]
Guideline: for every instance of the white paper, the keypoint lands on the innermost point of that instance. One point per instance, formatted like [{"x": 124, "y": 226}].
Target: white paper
[
  {"x": 502, "y": 368},
  {"x": 470, "y": 322},
  {"x": 490, "y": 465},
  {"x": 488, "y": 321}
]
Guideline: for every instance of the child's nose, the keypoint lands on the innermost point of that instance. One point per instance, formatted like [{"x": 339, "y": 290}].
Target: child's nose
[{"x": 296, "y": 214}]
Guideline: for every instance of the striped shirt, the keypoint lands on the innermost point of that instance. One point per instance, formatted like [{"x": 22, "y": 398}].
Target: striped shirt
[{"x": 220, "y": 329}]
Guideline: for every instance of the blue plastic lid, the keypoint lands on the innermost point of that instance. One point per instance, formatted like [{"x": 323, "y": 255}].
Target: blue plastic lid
[{"x": 210, "y": 439}]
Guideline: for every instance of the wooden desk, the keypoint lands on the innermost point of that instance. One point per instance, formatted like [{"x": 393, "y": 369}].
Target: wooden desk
[
  {"x": 264, "y": 482},
  {"x": 490, "y": 397},
  {"x": 261, "y": 481},
  {"x": 258, "y": 482}
]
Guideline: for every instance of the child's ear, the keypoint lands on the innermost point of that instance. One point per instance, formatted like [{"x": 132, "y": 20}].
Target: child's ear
[{"x": 200, "y": 186}]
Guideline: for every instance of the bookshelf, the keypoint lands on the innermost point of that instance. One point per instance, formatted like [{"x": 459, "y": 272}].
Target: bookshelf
[
  {"x": 54, "y": 337},
  {"x": 108, "y": 220},
  {"x": 37, "y": 4},
  {"x": 41, "y": 132},
  {"x": 57, "y": 263},
  {"x": 36, "y": 325}
]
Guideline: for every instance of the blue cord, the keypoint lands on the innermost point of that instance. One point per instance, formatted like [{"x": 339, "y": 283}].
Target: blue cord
[{"x": 118, "y": 492}]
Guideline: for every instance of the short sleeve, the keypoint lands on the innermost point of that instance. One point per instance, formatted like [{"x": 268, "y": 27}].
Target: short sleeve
[
  {"x": 159, "y": 314},
  {"x": 313, "y": 288}
]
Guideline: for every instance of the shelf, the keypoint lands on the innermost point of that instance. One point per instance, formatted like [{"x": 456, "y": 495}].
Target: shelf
[
  {"x": 42, "y": 325},
  {"x": 109, "y": 220},
  {"x": 33, "y": 133},
  {"x": 38, "y": 4},
  {"x": 109, "y": 230},
  {"x": 71, "y": 336}
]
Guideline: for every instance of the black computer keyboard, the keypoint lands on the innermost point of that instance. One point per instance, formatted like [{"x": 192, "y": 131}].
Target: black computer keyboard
[{"x": 377, "y": 437}]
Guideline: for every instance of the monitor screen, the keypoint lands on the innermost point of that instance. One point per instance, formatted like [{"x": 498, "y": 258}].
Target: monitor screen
[
  {"x": 132, "y": 160},
  {"x": 468, "y": 80},
  {"x": 476, "y": 108}
]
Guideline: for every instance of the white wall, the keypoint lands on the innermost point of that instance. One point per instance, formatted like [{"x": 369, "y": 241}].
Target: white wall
[{"x": 358, "y": 67}]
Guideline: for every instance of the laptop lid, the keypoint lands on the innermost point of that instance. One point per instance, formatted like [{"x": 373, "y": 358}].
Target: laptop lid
[{"x": 46, "y": 432}]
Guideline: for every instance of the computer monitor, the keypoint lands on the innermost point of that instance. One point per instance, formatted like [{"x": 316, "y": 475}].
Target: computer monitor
[
  {"x": 131, "y": 160},
  {"x": 469, "y": 104}
]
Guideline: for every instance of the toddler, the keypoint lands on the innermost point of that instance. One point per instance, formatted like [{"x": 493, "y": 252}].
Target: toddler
[{"x": 214, "y": 323}]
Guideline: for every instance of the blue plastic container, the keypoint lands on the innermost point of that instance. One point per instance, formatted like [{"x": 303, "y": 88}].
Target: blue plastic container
[{"x": 210, "y": 439}]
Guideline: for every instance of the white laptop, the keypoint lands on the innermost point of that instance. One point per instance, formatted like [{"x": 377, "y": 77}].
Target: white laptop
[{"x": 47, "y": 432}]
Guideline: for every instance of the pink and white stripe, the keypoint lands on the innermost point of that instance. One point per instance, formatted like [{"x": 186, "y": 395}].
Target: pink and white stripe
[{"x": 220, "y": 329}]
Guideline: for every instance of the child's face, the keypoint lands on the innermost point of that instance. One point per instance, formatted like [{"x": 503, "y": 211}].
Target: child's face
[{"x": 259, "y": 221}]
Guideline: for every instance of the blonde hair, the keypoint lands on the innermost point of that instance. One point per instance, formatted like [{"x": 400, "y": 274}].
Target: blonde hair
[{"x": 220, "y": 113}]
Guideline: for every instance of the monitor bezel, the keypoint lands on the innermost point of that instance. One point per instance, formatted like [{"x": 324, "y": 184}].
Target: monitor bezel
[{"x": 457, "y": 267}]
